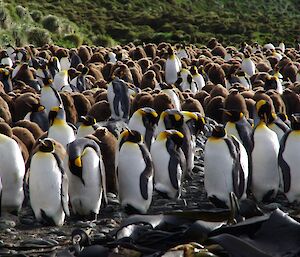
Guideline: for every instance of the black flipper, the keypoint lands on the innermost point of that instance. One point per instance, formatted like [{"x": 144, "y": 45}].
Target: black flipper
[
  {"x": 147, "y": 173},
  {"x": 64, "y": 185},
  {"x": 236, "y": 169},
  {"x": 285, "y": 169},
  {"x": 175, "y": 159},
  {"x": 47, "y": 219}
]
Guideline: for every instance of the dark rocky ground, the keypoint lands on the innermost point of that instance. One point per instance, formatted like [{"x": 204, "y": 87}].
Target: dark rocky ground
[{"x": 23, "y": 236}]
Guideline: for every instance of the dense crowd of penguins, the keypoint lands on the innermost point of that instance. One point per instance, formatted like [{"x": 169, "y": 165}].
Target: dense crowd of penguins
[{"x": 80, "y": 124}]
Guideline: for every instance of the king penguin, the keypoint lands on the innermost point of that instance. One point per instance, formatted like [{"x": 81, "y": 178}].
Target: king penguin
[
  {"x": 49, "y": 96},
  {"x": 265, "y": 172},
  {"x": 88, "y": 126},
  {"x": 134, "y": 173},
  {"x": 118, "y": 98},
  {"x": 5, "y": 78},
  {"x": 289, "y": 160},
  {"x": 248, "y": 66},
  {"x": 5, "y": 59},
  {"x": 12, "y": 171},
  {"x": 61, "y": 80},
  {"x": 225, "y": 168},
  {"x": 197, "y": 77},
  {"x": 172, "y": 67},
  {"x": 59, "y": 129},
  {"x": 144, "y": 120},
  {"x": 169, "y": 163},
  {"x": 38, "y": 115},
  {"x": 48, "y": 185},
  {"x": 173, "y": 119},
  {"x": 86, "y": 175}
]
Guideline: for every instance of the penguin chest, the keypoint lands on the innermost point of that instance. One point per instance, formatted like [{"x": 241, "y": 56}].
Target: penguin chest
[
  {"x": 248, "y": 67},
  {"x": 231, "y": 130},
  {"x": 171, "y": 70},
  {"x": 167, "y": 175},
  {"x": 84, "y": 131},
  {"x": 131, "y": 165},
  {"x": 137, "y": 124},
  {"x": 48, "y": 99},
  {"x": 218, "y": 164},
  {"x": 265, "y": 173},
  {"x": 45, "y": 182},
  {"x": 12, "y": 171},
  {"x": 62, "y": 133}
]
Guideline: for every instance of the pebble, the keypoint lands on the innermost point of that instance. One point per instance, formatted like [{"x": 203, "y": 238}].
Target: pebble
[
  {"x": 38, "y": 243},
  {"x": 4, "y": 224}
]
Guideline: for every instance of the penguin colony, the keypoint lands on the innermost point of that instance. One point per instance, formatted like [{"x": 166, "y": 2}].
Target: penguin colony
[{"x": 79, "y": 125}]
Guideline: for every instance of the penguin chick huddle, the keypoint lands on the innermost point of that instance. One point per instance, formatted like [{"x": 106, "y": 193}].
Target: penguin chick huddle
[{"x": 77, "y": 124}]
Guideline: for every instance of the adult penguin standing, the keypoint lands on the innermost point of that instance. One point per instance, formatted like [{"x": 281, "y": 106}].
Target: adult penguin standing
[
  {"x": 87, "y": 183},
  {"x": 12, "y": 171},
  {"x": 48, "y": 185},
  {"x": 169, "y": 163},
  {"x": 225, "y": 168},
  {"x": 289, "y": 161},
  {"x": 134, "y": 173},
  {"x": 172, "y": 67},
  {"x": 265, "y": 173},
  {"x": 118, "y": 98}
]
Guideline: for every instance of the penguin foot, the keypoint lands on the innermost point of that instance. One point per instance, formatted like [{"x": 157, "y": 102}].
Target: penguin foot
[
  {"x": 130, "y": 210},
  {"x": 163, "y": 194},
  {"x": 217, "y": 202},
  {"x": 46, "y": 220},
  {"x": 268, "y": 197}
]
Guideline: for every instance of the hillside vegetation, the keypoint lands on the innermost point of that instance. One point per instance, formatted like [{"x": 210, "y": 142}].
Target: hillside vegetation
[{"x": 108, "y": 22}]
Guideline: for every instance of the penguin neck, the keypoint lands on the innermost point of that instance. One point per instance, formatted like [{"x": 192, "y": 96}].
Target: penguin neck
[
  {"x": 59, "y": 122},
  {"x": 262, "y": 124}
]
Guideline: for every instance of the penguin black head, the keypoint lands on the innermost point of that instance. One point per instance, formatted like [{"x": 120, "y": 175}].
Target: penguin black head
[
  {"x": 193, "y": 70},
  {"x": 218, "y": 131},
  {"x": 46, "y": 145},
  {"x": 170, "y": 51},
  {"x": 85, "y": 70},
  {"x": 56, "y": 112},
  {"x": 149, "y": 116},
  {"x": 196, "y": 125},
  {"x": 270, "y": 83},
  {"x": 295, "y": 121},
  {"x": 264, "y": 110},
  {"x": 75, "y": 152},
  {"x": 132, "y": 136},
  {"x": 172, "y": 134},
  {"x": 233, "y": 115},
  {"x": 88, "y": 120},
  {"x": 47, "y": 81},
  {"x": 37, "y": 107},
  {"x": 172, "y": 118}
]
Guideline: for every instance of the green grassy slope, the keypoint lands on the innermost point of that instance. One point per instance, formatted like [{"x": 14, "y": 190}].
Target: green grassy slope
[{"x": 107, "y": 22}]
